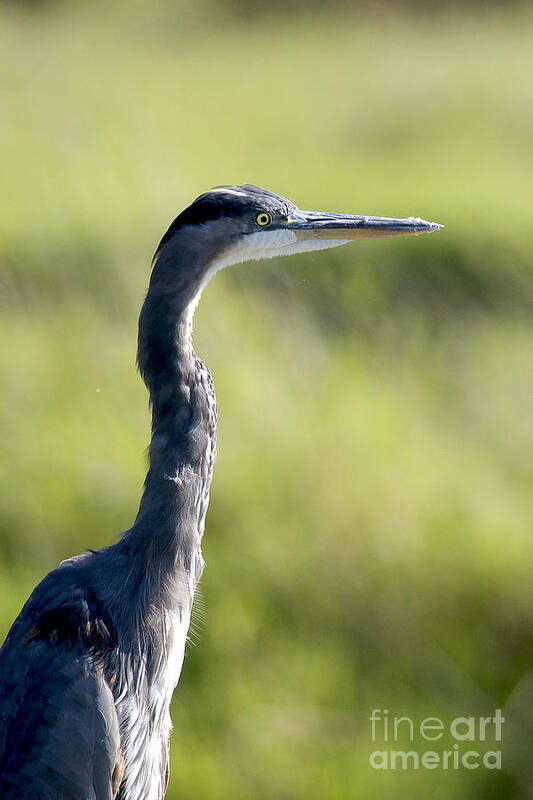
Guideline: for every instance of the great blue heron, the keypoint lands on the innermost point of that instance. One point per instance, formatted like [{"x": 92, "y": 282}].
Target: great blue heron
[{"x": 89, "y": 666}]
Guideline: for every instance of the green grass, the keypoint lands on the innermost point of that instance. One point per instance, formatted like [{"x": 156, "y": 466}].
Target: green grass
[{"x": 368, "y": 543}]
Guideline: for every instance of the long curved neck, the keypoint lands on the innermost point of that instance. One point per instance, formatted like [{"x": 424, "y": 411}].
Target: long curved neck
[
  {"x": 165, "y": 539},
  {"x": 169, "y": 367}
]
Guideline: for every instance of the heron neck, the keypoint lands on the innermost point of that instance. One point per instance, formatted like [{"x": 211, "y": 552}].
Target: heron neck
[{"x": 167, "y": 533}]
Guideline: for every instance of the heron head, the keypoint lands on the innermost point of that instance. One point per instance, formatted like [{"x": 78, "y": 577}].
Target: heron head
[{"x": 231, "y": 224}]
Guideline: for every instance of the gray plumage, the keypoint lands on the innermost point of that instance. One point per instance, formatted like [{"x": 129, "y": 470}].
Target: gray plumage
[{"x": 88, "y": 668}]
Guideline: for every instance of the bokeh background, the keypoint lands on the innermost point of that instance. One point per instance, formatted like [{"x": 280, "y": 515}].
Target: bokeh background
[{"x": 369, "y": 540}]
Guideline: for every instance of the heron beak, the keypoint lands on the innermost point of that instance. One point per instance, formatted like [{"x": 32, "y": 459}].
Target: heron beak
[{"x": 315, "y": 225}]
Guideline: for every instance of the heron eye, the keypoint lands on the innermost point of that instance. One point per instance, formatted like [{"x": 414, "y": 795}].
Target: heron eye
[{"x": 263, "y": 219}]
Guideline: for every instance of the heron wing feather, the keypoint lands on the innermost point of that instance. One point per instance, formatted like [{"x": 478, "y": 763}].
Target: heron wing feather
[{"x": 59, "y": 733}]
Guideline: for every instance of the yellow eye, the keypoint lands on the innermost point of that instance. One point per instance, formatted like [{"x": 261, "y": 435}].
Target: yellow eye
[{"x": 263, "y": 219}]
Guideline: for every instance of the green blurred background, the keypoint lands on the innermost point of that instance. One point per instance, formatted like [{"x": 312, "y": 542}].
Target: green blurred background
[{"x": 369, "y": 542}]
